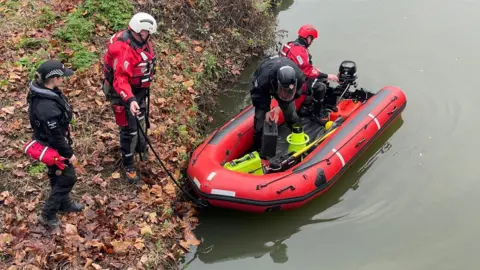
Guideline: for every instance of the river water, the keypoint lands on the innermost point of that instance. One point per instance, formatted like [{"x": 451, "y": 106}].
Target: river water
[{"x": 411, "y": 201}]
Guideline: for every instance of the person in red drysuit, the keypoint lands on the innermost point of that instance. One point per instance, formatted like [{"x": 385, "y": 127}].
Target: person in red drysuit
[
  {"x": 297, "y": 51},
  {"x": 129, "y": 66}
]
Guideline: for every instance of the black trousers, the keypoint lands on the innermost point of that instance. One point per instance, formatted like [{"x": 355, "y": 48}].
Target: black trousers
[
  {"x": 314, "y": 100},
  {"x": 61, "y": 183},
  {"x": 131, "y": 139}
]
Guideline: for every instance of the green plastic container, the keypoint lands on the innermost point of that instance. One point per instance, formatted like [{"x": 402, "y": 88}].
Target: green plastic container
[
  {"x": 297, "y": 140},
  {"x": 251, "y": 163}
]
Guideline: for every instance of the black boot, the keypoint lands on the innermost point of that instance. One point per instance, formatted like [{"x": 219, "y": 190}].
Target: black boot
[
  {"x": 70, "y": 206},
  {"x": 131, "y": 175},
  {"x": 51, "y": 221},
  {"x": 320, "y": 114},
  {"x": 143, "y": 154},
  {"x": 307, "y": 107}
]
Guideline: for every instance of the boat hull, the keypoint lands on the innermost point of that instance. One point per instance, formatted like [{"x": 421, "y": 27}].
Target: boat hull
[{"x": 304, "y": 181}]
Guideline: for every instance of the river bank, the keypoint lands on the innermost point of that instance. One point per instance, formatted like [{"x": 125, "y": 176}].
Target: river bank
[{"x": 201, "y": 46}]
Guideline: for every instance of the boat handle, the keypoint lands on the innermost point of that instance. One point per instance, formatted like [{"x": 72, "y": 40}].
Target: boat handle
[
  {"x": 360, "y": 142},
  {"x": 284, "y": 189},
  {"x": 394, "y": 110}
]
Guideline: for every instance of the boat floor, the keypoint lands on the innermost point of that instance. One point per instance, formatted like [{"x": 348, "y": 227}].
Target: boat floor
[{"x": 312, "y": 128}]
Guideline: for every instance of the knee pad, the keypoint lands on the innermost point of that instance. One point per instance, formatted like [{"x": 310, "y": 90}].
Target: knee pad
[
  {"x": 319, "y": 89},
  {"x": 120, "y": 115}
]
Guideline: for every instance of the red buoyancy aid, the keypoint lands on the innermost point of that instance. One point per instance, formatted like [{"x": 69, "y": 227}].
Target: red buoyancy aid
[
  {"x": 300, "y": 55},
  {"x": 139, "y": 61},
  {"x": 44, "y": 154}
]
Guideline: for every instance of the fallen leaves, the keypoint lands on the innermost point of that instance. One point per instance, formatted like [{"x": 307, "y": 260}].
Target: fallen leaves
[
  {"x": 120, "y": 221},
  {"x": 188, "y": 83},
  {"x": 118, "y": 226},
  {"x": 146, "y": 230},
  {"x": 10, "y": 110},
  {"x": 190, "y": 240},
  {"x": 120, "y": 247},
  {"x": 170, "y": 189}
]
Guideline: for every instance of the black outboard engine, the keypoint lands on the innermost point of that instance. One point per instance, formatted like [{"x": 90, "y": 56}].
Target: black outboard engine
[{"x": 347, "y": 72}]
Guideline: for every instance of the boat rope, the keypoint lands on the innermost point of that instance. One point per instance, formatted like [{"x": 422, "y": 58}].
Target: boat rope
[
  {"x": 196, "y": 201},
  {"x": 328, "y": 158}
]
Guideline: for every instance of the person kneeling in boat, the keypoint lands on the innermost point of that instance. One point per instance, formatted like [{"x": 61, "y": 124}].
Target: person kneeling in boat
[
  {"x": 50, "y": 116},
  {"x": 298, "y": 52},
  {"x": 281, "y": 78}
]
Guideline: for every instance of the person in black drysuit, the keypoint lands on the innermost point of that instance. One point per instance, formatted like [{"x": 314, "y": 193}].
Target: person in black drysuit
[
  {"x": 50, "y": 115},
  {"x": 281, "y": 78}
]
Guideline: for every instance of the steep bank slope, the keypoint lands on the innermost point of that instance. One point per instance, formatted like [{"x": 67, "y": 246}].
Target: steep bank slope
[{"x": 200, "y": 44}]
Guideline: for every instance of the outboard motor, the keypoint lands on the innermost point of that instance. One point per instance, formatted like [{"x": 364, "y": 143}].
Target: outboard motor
[{"x": 347, "y": 72}]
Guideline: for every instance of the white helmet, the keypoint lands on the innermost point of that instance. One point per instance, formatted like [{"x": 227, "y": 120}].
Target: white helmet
[{"x": 143, "y": 21}]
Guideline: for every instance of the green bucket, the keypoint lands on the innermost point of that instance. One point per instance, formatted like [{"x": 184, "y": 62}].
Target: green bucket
[{"x": 297, "y": 140}]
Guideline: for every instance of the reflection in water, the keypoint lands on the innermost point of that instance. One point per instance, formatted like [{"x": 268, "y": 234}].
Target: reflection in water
[{"x": 230, "y": 235}]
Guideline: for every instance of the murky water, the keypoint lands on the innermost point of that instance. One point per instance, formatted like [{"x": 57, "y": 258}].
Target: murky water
[{"x": 411, "y": 201}]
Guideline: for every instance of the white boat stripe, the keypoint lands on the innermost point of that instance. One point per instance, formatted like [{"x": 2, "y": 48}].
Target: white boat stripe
[
  {"x": 339, "y": 156},
  {"x": 223, "y": 192},
  {"x": 195, "y": 180},
  {"x": 375, "y": 119},
  {"x": 210, "y": 177}
]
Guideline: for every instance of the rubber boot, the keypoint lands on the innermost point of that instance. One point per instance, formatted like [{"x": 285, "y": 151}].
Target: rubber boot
[
  {"x": 320, "y": 114},
  {"x": 307, "y": 107},
  {"x": 144, "y": 154},
  {"x": 131, "y": 175},
  {"x": 52, "y": 222},
  {"x": 70, "y": 206}
]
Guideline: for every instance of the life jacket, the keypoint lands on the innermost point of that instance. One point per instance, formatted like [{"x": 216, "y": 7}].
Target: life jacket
[
  {"x": 143, "y": 71},
  {"x": 286, "y": 51}
]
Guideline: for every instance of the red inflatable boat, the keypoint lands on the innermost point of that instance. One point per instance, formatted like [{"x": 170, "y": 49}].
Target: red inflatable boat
[{"x": 365, "y": 116}]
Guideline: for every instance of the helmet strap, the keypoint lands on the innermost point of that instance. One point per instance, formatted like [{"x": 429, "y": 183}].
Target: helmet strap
[
  {"x": 138, "y": 38},
  {"x": 303, "y": 41}
]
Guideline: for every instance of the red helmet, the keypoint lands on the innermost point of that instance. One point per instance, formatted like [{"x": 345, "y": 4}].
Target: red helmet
[{"x": 307, "y": 30}]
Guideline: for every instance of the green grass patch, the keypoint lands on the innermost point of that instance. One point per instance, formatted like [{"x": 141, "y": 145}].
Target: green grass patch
[
  {"x": 36, "y": 169},
  {"x": 31, "y": 43},
  {"x": 82, "y": 58},
  {"x": 46, "y": 18},
  {"x": 33, "y": 61},
  {"x": 114, "y": 13},
  {"x": 77, "y": 28}
]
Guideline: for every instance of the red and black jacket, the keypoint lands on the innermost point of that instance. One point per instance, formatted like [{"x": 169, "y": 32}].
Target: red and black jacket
[
  {"x": 128, "y": 65},
  {"x": 297, "y": 52}
]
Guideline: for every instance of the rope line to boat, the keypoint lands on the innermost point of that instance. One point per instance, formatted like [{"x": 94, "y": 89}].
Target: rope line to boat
[
  {"x": 328, "y": 159},
  {"x": 196, "y": 201}
]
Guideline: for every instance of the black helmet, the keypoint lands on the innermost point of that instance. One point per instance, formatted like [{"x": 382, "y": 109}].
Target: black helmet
[
  {"x": 347, "y": 72},
  {"x": 287, "y": 83}
]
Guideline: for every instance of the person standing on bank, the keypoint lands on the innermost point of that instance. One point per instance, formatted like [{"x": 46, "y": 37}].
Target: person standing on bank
[
  {"x": 129, "y": 66},
  {"x": 50, "y": 115}
]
